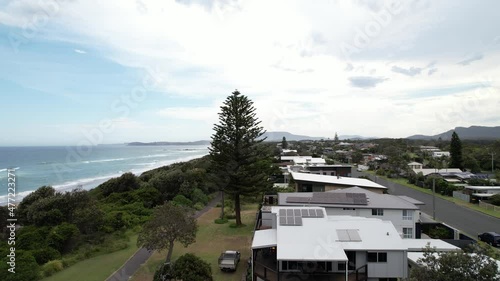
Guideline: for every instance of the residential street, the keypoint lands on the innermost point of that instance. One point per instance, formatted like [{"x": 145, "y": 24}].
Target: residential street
[{"x": 468, "y": 221}]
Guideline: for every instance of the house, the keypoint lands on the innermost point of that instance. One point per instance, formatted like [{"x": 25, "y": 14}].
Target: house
[
  {"x": 481, "y": 192},
  {"x": 306, "y": 244},
  {"x": 306, "y": 182},
  {"x": 428, "y": 171},
  {"x": 332, "y": 170},
  {"x": 415, "y": 165},
  {"x": 402, "y": 211},
  {"x": 439, "y": 154}
]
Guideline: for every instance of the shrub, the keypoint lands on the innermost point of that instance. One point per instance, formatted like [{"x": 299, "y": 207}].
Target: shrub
[
  {"x": 198, "y": 206},
  {"x": 164, "y": 272},
  {"x": 221, "y": 221},
  {"x": 495, "y": 199},
  {"x": 181, "y": 200},
  {"x": 52, "y": 267},
  {"x": 46, "y": 254},
  {"x": 191, "y": 267}
]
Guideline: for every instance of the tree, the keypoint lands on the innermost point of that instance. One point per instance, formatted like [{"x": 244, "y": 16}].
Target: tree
[
  {"x": 456, "y": 160},
  {"x": 192, "y": 268},
  {"x": 336, "y": 138},
  {"x": 235, "y": 150},
  {"x": 284, "y": 143},
  {"x": 451, "y": 266},
  {"x": 169, "y": 223}
]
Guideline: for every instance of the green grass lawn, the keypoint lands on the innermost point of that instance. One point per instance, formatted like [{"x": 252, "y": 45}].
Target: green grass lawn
[
  {"x": 97, "y": 268},
  {"x": 403, "y": 181},
  {"x": 211, "y": 240}
]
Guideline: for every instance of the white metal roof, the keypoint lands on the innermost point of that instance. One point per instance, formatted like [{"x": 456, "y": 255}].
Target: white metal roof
[
  {"x": 483, "y": 187},
  {"x": 417, "y": 245},
  {"x": 317, "y": 238},
  {"x": 264, "y": 239},
  {"x": 428, "y": 171},
  {"x": 336, "y": 180},
  {"x": 291, "y": 158}
]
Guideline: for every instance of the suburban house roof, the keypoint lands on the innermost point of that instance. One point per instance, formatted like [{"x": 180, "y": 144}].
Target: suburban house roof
[
  {"x": 264, "y": 239},
  {"x": 330, "y": 166},
  {"x": 291, "y": 158},
  {"x": 483, "y": 187},
  {"x": 417, "y": 245},
  {"x": 428, "y": 171},
  {"x": 414, "y": 163},
  {"x": 336, "y": 180},
  {"x": 326, "y": 238},
  {"x": 373, "y": 200}
]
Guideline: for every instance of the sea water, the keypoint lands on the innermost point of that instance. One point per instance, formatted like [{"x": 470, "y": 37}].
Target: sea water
[{"x": 67, "y": 168}]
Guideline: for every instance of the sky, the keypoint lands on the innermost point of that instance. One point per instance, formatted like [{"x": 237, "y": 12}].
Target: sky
[{"x": 76, "y": 72}]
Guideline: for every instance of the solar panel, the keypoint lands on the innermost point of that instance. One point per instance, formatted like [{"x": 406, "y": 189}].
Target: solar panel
[
  {"x": 282, "y": 220},
  {"x": 331, "y": 198},
  {"x": 289, "y": 212},
  {"x": 282, "y": 212},
  {"x": 319, "y": 213},
  {"x": 297, "y": 212},
  {"x": 348, "y": 235}
]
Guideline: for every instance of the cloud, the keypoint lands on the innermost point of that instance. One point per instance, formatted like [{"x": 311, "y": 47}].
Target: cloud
[
  {"x": 349, "y": 67},
  {"x": 79, "y": 51},
  {"x": 202, "y": 113},
  {"x": 432, "y": 71},
  {"x": 366, "y": 82},
  {"x": 471, "y": 59},
  {"x": 412, "y": 71}
]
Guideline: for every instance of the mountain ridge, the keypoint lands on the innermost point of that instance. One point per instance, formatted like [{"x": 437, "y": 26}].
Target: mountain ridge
[{"x": 467, "y": 133}]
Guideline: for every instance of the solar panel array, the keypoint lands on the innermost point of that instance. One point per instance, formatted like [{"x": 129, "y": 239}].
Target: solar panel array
[
  {"x": 294, "y": 216},
  {"x": 331, "y": 198},
  {"x": 348, "y": 235}
]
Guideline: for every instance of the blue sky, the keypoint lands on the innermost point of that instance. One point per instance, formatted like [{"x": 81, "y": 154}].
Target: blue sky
[{"x": 112, "y": 72}]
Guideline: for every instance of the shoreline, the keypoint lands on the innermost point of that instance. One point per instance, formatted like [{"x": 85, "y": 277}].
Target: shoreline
[{"x": 91, "y": 183}]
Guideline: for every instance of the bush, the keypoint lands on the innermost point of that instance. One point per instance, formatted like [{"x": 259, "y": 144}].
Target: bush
[
  {"x": 495, "y": 199},
  {"x": 44, "y": 255},
  {"x": 181, "y": 200},
  {"x": 192, "y": 268},
  {"x": 26, "y": 267},
  {"x": 198, "y": 206},
  {"x": 164, "y": 272},
  {"x": 52, "y": 267},
  {"x": 221, "y": 221}
]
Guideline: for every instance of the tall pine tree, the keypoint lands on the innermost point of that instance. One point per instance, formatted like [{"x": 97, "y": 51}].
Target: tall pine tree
[
  {"x": 235, "y": 151},
  {"x": 456, "y": 160}
]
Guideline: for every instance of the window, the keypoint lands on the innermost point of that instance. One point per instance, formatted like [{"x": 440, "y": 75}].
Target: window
[
  {"x": 407, "y": 232},
  {"x": 377, "y": 257},
  {"x": 407, "y": 215},
  {"x": 377, "y": 212}
]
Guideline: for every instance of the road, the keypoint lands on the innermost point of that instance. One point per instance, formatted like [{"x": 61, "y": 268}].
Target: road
[{"x": 468, "y": 221}]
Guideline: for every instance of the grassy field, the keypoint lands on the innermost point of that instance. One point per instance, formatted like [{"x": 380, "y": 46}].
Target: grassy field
[
  {"x": 211, "y": 240},
  {"x": 403, "y": 181},
  {"x": 97, "y": 268}
]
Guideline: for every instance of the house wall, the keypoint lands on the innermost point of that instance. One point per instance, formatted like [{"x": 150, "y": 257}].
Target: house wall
[
  {"x": 392, "y": 215},
  {"x": 395, "y": 267}
]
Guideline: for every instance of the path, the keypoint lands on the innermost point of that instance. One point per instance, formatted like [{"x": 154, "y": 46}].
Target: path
[{"x": 142, "y": 255}]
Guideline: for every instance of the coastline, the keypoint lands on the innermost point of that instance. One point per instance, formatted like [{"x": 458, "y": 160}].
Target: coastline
[{"x": 91, "y": 183}]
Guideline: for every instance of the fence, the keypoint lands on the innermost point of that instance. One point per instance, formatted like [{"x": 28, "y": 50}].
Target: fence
[
  {"x": 461, "y": 196},
  {"x": 489, "y": 206}
]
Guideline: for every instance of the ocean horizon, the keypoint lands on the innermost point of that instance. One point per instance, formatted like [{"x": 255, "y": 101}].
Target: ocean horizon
[{"x": 68, "y": 167}]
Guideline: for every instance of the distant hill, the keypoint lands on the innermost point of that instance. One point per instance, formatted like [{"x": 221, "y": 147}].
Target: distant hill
[
  {"x": 470, "y": 133},
  {"x": 201, "y": 142},
  {"x": 278, "y": 136}
]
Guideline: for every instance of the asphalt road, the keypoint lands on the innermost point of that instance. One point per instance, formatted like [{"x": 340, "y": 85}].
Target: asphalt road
[{"x": 466, "y": 220}]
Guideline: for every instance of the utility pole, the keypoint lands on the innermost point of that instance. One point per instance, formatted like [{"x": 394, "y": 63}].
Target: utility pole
[
  {"x": 434, "y": 198},
  {"x": 492, "y": 165}
]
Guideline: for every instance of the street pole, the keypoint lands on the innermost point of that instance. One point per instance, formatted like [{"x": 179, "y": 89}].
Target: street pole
[{"x": 434, "y": 198}]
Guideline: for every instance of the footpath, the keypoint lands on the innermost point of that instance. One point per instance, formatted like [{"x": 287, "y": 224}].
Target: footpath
[{"x": 142, "y": 255}]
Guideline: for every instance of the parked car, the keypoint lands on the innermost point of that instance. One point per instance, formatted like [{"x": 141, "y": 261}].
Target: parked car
[
  {"x": 228, "y": 260},
  {"x": 491, "y": 238}
]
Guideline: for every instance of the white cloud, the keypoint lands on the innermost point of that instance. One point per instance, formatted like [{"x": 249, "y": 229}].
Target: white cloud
[{"x": 286, "y": 56}]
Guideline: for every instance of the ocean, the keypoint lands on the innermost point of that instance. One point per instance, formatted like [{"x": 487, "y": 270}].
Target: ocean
[{"x": 66, "y": 168}]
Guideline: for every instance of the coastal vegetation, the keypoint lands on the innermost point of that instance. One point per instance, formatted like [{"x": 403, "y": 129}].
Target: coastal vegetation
[{"x": 59, "y": 229}]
